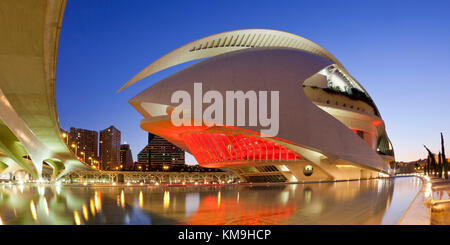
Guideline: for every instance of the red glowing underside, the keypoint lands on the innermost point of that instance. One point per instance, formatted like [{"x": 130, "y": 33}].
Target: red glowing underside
[{"x": 211, "y": 148}]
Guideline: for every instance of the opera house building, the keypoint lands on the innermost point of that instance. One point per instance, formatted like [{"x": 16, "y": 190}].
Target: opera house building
[{"x": 327, "y": 126}]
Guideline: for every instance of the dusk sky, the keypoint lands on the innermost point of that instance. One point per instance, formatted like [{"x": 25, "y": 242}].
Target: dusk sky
[{"x": 398, "y": 50}]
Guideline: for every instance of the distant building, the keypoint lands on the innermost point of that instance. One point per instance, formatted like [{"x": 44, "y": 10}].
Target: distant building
[
  {"x": 126, "y": 159},
  {"x": 160, "y": 155},
  {"x": 84, "y": 143},
  {"x": 110, "y": 148}
]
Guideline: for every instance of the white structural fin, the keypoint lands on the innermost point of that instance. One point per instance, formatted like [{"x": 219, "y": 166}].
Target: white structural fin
[{"x": 230, "y": 41}]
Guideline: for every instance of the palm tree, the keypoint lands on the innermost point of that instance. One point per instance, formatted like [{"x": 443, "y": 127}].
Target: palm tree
[
  {"x": 444, "y": 159},
  {"x": 432, "y": 161}
]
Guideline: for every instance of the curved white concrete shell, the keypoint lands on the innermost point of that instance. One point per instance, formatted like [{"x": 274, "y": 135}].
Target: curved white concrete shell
[
  {"x": 28, "y": 117},
  {"x": 230, "y": 41},
  {"x": 327, "y": 122}
]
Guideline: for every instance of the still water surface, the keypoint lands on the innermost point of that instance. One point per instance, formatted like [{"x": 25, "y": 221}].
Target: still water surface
[{"x": 378, "y": 201}]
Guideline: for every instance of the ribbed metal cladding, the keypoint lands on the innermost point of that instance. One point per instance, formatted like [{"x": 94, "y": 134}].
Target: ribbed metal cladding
[{"x": 233, "y": 147}]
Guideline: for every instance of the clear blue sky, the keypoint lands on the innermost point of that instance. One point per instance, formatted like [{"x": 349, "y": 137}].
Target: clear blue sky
[{"x": 398, "y": 50}]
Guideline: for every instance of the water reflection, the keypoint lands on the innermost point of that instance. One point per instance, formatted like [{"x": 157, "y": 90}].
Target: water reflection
[{"x": 355, "y": 202}]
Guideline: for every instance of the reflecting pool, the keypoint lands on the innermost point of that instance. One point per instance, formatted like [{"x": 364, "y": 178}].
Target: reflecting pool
[{"x": 377, "y": 201}]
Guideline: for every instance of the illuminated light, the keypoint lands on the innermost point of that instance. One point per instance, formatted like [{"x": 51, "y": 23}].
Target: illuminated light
[
  {"x": 46, "y": 207},
  {"x": 85, "y": 212},
  {"x": 76, "y": 217},
  {"x": 227, "y": 147},
  {"x": 156, "y": 183},
  {"x": 141, "y": 183},
  {"x": 383, "y": 175},
  {"x": 122, "y": 199},
  {"x": 1, "y": 221},
  {"x": 427, "y": 193},
  {"x": 92, "y": 206},
  {"x": 376, "y": 123},
  {"x": 141, "y": 199},
  {"x": 85, "y": 183},
  {"x": 345, "y": 166},
  {"x": 165, "y": 167},
  {"x": 428, "y": 185},
  {"x": 118, "y": 200},
  {"x": 196, "y": 183},
  {"x": 58, "y": 189},
  {"x": 114, "y": 183},
  {"x": 128, "y": 183},
  {"x": 219, "y": 195},
  {"x": 166, "y": 199},
  {"x": 98, "y": 201},
  {"x": 33, "y": 210}
]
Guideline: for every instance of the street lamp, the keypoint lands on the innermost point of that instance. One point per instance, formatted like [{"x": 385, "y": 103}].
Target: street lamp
[
  {"x": 75, "y": 147},
  {"x": 94, "y": 164},
  {"x": 84, "y": 156},
  {"x": 64, "y": 135}
]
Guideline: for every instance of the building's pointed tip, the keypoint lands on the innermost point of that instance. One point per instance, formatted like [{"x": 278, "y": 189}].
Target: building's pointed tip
[
  {"x": 122, "y": 88},
  {"x": 128, "y": 84}
]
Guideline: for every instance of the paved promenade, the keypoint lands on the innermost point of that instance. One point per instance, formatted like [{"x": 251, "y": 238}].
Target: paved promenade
[
  {"x": 440, "y": 208},
  {"x": 431, "y": 206}
]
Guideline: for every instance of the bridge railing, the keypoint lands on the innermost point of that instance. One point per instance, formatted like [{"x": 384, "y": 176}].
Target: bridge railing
[{"x": 136, "y": 177}]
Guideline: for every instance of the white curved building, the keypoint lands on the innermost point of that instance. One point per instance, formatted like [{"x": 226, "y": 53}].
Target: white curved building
[{"x": 329, "y": 127}]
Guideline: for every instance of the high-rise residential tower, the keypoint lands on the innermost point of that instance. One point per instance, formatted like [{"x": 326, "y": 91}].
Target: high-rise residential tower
[
  {"x": 160, "y": 154},
  {"x": 110, "y": 148},
  {"x": 84, "y": 143},
  {"x": 126, "y": 159}
]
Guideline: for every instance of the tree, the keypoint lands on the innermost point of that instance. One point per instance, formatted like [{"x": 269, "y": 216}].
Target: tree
[
  {"x": 444, "y": 159},
  {"x": 433, "y": 164}
]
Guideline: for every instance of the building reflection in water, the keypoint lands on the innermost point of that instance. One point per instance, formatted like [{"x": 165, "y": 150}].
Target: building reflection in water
[{"x": 354, "y": 202}]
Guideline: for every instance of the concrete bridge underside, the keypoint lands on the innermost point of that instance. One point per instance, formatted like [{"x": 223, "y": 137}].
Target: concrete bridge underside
[{"x": 29, "y": 128}]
